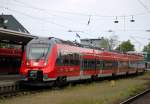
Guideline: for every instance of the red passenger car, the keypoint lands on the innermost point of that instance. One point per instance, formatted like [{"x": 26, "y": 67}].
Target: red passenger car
[
  {"x": 52, "y": 59},
  {"x": 10, "y": 60}
]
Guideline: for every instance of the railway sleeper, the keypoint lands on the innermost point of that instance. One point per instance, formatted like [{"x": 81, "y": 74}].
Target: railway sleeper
[{"x": 8, "y": 88}]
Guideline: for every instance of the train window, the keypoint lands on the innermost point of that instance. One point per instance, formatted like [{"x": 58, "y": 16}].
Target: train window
[
  {"x": 141, "y": 64},
  {"x": 133, "y": 64},
  {"x": 72, "y": 60},
  {"x": 123, "y": 64},
  {"x": 92, "y": 64},
  {"x": 107, "y": 64},
  {"x": 85, "y": 64},
  {"x": 115, "y": 64},
  {"x": 99, "y": 64},
  {"x": 68, "y": 59},
  {"x": 59, "y": 60},
  {"x": 76, "y": 59},
  {"x": 6, "y": 64},
  {"x": 88, "y": 64}
]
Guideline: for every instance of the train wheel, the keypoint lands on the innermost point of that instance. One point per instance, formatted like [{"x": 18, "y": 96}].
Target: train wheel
[
  {"x": 136, "y": 73},
  {"x": 114, "y": 75},
  {"x": 61, "y": 81},
  {"x": 94, "y": 77},
  {"x": 127, "y": 74}
]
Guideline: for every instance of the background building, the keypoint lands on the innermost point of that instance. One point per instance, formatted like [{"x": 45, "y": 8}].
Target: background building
[{"x": 99, "y": 42}]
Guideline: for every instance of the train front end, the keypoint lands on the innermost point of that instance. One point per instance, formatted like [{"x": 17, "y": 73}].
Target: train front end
[{"x": 38, "y": 61}]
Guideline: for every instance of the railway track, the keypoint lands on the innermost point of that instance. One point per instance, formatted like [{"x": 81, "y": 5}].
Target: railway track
[
  {"x": 140, "y": 98},
  {"x": 17, "y": 90}
]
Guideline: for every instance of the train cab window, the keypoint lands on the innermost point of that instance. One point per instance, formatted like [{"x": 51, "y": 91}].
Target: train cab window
[{"x": 38, "y": 51}]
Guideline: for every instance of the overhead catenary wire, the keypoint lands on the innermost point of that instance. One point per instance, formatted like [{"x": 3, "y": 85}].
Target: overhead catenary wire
[
  {"x": 73, "y": 13},
  {"x": 33, "y": 17},
  {"x": 52, "y": 22},
  {"x": 59, "y": 25},
  {"x": 144, "y": 6},
  {"x": 48, "y": 12},
  {"x": 58, "y": 13}
]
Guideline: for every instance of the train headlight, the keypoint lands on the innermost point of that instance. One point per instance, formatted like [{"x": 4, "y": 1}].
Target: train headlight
[
  {"x": 45, "y": 63},
  {"x": 27, "y": 63}
]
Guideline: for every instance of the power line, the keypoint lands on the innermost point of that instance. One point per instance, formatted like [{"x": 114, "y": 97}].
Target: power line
[
  {"x": 41, "y": 19},
  {"x": 73, "y": 13},
  {"x": 62, "y": 17},
  {"x": 43, "y": 10},
  {"x": 144, "y": 6}
]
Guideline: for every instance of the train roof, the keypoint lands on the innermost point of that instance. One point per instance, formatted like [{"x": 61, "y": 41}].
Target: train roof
[{"x": 53, "y": 40}]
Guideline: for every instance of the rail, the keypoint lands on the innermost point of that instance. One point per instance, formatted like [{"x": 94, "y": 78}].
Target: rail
[{"x": 131, "y": 99}]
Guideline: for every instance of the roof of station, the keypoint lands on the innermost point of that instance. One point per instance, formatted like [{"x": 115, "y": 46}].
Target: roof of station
[
  {"x": 12, "y": 31},
  {"x": 15, "y": 37}
]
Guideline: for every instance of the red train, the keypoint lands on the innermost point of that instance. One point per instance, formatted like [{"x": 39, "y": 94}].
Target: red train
[
  {"x": 10, "y": 60},
  {"x": 52, "y": 59}
]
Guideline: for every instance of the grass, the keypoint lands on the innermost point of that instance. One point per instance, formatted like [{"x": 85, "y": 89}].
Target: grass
[{"x": 94, "y": 93}]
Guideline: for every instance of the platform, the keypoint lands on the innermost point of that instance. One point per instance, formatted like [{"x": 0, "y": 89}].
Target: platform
[
  {"x": 14, "y": 77},
  {"x": 9, "y": 83}
]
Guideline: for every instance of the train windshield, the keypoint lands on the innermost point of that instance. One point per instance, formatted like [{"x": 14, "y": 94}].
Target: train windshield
[{"x": 38, "y": 51}]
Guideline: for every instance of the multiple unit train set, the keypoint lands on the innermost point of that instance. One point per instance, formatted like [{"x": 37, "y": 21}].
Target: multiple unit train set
[{"x": 54, "y": 60}]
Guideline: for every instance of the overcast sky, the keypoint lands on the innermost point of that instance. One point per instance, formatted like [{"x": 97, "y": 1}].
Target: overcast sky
[{"x": 55, "y": 17}]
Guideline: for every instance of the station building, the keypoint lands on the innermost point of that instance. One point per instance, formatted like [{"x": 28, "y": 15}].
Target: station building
[
  {"x": 13, "y": 38},
  {"x": 97, "y": 42}
]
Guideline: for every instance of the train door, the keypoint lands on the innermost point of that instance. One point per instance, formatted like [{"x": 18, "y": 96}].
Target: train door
[
  {"x": 81, "y": 64},
  {"x": 88, "y": 66},
  {"x": 99, "y": 66},
  {"x": 107, "y": 68},
  {"x": 115, "y": 67}
]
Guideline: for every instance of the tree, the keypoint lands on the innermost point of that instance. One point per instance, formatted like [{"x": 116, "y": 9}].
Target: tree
[
  {"x": 147, "y": 48},
  {"x": 125, "y": 46}
]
